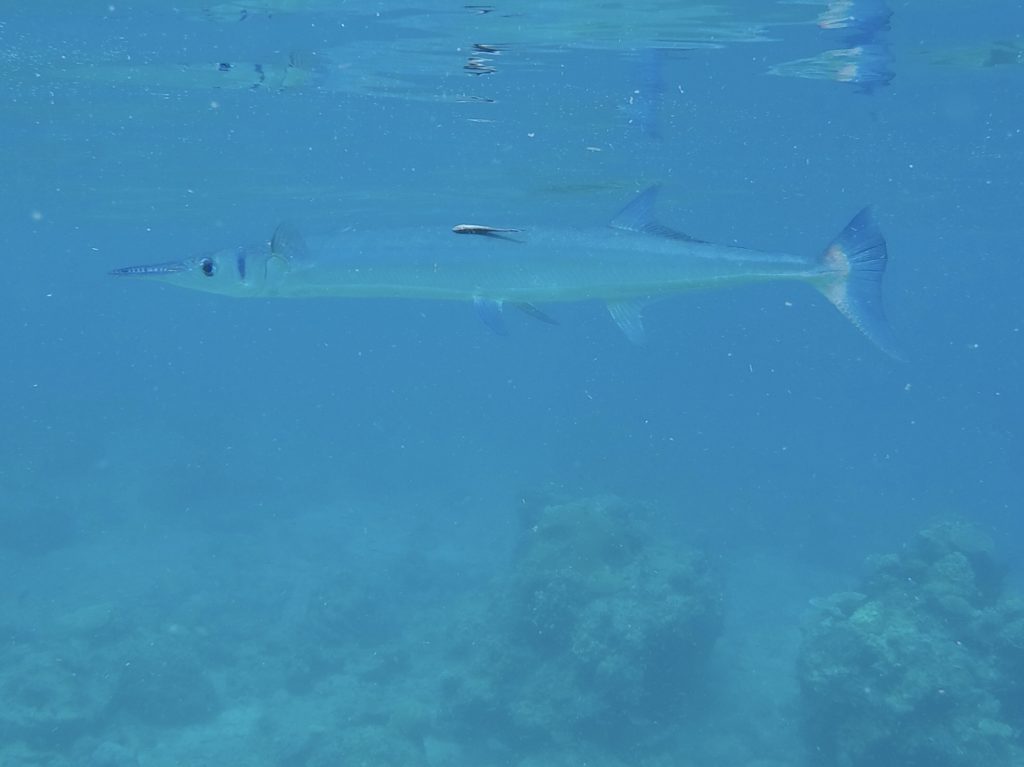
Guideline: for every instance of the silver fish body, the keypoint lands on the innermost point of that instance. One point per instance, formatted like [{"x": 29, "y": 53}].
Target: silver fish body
[{"x": 628, "y": 264}]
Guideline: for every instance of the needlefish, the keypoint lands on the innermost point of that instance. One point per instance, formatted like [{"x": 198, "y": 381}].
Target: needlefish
[{"x": 628, "y": 264}]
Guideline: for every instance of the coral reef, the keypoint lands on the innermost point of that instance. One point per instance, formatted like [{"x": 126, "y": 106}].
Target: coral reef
[
  {"x": 51, "y": 694},
  {"x": 584, "y": 642},
  {"x": 924, "y": 666},
  {"x": 599, "y": 632},
  {"x": 88, "y": 675},
  {"x": 162, "y": 683}
]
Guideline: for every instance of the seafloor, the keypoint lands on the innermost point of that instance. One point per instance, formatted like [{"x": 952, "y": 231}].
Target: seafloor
[{"x": 595, "y": 636}]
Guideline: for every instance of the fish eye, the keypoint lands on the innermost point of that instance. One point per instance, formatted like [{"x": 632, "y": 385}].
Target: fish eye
[{"x": 207, "y": 267}]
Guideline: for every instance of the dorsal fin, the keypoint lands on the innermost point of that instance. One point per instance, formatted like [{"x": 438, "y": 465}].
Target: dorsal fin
[
  {"x": 639, "y": 213},
  {"x": 638, "y": 216}
]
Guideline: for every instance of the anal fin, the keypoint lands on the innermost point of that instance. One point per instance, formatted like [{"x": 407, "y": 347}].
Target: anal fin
[
  {"x": 489, "y": 312},
  {"x": 628, "y": 315}
]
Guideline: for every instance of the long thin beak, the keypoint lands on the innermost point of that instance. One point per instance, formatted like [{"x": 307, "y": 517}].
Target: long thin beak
[{"x": 150, "y": 270}]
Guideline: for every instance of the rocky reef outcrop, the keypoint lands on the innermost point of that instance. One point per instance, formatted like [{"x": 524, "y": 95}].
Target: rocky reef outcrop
[
  {"x": 600, "y": 631},
  {"x": 923, "y": 666}
]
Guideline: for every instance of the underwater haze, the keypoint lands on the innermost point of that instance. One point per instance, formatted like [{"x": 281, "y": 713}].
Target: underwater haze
[{"x": 375, "y": 532}]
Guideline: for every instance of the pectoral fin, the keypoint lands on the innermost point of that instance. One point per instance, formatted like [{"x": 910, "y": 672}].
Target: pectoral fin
[
  {"x": 287, "y": 248},
  {"x": 288, "y": 244}
]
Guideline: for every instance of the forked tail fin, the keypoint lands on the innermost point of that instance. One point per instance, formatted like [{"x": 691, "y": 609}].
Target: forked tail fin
[{"x": 852, "y": 269}]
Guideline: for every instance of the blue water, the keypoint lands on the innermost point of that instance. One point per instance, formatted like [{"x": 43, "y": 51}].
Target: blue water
[{"x": 257, "y": 532}]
